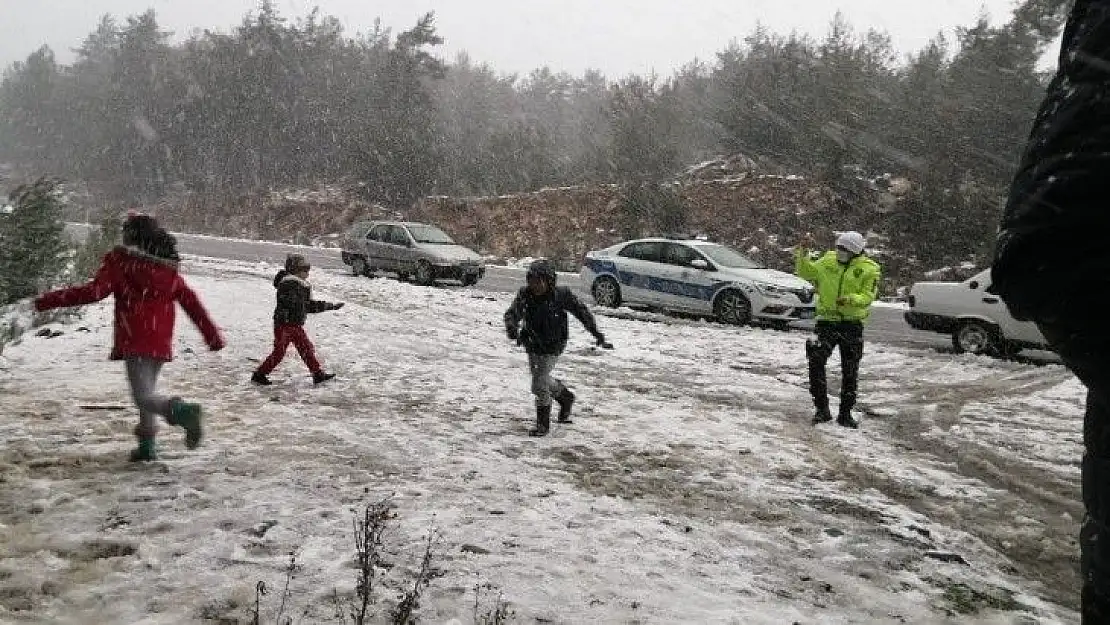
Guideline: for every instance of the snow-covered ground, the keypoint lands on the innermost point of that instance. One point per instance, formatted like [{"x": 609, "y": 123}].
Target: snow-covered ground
[{"x": 690, "y": 489}]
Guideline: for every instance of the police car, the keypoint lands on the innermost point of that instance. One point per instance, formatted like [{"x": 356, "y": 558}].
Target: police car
[{"x": 695, "y": 276}]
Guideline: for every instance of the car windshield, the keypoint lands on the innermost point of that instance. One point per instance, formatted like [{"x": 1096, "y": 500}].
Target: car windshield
[
  {"x": 728, "y": 257},
  {"x": 430, "y": 234}
]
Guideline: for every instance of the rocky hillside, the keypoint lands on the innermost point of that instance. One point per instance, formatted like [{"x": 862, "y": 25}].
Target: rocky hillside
[{"x": 762, "y": 215}]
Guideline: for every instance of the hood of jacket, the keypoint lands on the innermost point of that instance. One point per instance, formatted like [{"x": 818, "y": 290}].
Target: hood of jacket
[
  {"x": 142, "y": 272},
  {"x": 285, "y": 276}
]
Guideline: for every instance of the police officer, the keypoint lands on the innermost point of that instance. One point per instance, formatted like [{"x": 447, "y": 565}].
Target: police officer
[{"x": 847, "y": 282}]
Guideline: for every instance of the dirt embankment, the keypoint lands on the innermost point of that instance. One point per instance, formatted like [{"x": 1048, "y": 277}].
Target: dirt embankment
[{"x": 762, "y": 216}]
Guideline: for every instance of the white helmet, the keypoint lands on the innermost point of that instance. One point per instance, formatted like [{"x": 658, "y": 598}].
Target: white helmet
[{"x": 851, "y": 241}]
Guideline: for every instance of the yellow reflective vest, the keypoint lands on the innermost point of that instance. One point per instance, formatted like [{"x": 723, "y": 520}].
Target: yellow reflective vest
[{"x": 857, "y": 283}]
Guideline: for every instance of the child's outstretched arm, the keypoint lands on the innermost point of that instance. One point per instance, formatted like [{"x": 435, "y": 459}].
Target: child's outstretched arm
[
  {"x": 94, "y": 291},
  {"x": 577, "y": 308},
  {"x": 188, "y": 299},
  {"x": 318, "y": 306}
]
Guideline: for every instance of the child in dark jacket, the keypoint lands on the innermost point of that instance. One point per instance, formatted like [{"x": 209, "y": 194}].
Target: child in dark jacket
[
  {"x": 294, "y": 304},
  {"x": 143, "y": 278},
  {"x": 537, "y": 320}
]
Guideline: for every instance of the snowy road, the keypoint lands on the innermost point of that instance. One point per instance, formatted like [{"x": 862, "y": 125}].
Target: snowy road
[
  {"x": 691, "y": 488},
  {"x": 886, "y": 324}
]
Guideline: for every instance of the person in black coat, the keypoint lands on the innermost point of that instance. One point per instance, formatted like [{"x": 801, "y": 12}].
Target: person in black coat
[
  {"x": 294, "y": 304},
  {"x": 1052, "y": 264},
  {"x": 537, "y": 320}
]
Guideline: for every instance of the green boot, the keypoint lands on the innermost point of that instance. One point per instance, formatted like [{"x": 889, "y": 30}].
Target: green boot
[
  {"x": 144, "y": 452},
  {"x": 187, "y": 415}
]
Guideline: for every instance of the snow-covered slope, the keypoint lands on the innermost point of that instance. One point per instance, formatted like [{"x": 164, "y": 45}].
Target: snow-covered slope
[{"x": 691, "y": 488}]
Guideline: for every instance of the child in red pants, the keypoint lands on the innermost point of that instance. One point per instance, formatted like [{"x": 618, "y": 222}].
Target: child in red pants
[{"x": 294, "y": 303}]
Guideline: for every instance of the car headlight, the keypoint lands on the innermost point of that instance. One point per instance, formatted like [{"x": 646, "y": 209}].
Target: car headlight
[{"x": 771, "y": 289}]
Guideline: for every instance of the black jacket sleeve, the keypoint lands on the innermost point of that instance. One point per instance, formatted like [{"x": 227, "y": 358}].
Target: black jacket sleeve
[
  {"x": 316, "y": 306},
  {"x": 1051, "y": 260},
  {"x": 574, "y": 306}
]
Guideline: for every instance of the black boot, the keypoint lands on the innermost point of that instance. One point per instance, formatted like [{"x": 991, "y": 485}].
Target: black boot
[
  {"x": 844, "y": 419},
  {"x": 566, "y": 401},
  {"x": 817, "y": 353},
  {"x": 543, "y": 421},
  {"x": 260, "y": 379},
  {"x": 822, "y": 415},
  {"x": 320, "y": 377}
]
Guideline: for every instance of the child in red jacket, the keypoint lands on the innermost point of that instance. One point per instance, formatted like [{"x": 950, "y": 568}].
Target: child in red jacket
[{"x": 142, "y": 276}]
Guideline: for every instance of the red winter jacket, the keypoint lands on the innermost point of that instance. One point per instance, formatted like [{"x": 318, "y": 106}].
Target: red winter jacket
[{"x": 146, "y": 289}]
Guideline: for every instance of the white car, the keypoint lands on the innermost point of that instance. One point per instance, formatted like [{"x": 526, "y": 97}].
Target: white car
[
  {"x": 978, "y": 320},
  {"x": 698, "y": 277}
]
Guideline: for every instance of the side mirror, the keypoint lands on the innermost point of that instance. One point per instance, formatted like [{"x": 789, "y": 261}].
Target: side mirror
[
  {"x": 974, "y": 285},
  {"x": 699, "y": 263}
]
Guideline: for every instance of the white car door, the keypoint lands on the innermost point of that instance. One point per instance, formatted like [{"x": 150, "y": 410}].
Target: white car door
[
  {"x": 638, "y": 268},
  {"x": 684, "y": 286}
]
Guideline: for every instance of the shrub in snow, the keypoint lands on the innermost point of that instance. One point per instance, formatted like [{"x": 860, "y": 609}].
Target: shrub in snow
[
  {"x": 32, "y": 244},
  {"x": 370, "y": 526},
  {"x": 15, "y": 320},
  {"x": 19, "y": 318},
  {"x": 493, "y": 612}
]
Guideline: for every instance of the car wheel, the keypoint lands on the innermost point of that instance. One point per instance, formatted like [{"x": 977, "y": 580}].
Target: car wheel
[
  {"x": 607, "y": 292},
  {"x": 975, "y": 337},
  {"x": 359, "y": 266},
  {"x": 424, "y": 275},
  {"x": 733, "y": 308},
  {"x": 470, "y": 281}
]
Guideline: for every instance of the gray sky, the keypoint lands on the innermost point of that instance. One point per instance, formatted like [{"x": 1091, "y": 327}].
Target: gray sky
[{"x": 615, "y": 36}]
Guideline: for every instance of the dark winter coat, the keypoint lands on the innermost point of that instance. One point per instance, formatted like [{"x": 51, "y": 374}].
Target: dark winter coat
[
  {"x": 146, "y": 290},
  {"x": 294, "y": 300},
  {"x": 541, "y": 322},
  {"x": 1052, "y": 262}
]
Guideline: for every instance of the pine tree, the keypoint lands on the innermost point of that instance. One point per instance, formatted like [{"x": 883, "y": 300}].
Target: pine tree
[{"x": 32, "y": 244}]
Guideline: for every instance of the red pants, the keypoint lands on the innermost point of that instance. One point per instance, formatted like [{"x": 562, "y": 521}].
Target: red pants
[{"x": 283, "y": 336}]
